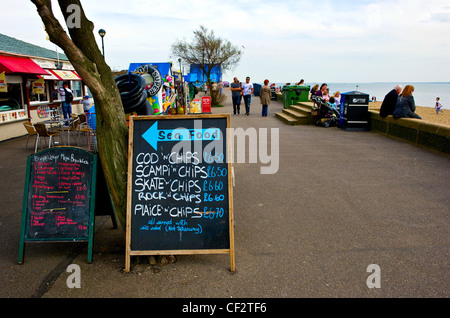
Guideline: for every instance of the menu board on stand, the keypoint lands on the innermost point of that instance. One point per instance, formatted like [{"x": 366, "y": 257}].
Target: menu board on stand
[
  {"x": 59, "y": 197},
  {"x": 179, "y": 187}
]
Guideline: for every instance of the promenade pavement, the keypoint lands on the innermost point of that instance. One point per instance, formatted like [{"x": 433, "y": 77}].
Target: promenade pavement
[{"x": 339, "y": 202}]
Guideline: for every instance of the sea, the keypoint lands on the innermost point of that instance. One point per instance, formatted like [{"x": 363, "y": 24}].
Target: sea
[{"x": 425, "y": 93}]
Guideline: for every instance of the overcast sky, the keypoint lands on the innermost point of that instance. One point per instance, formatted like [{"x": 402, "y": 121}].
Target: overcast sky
[{"x": 284, "y": 41}]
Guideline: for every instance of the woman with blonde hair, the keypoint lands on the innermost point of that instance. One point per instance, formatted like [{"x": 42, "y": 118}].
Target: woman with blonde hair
[
  {"x": 337, "y": 97},
  {"x": 314, "y": 89},
  {"x": 406, "y": 106}
]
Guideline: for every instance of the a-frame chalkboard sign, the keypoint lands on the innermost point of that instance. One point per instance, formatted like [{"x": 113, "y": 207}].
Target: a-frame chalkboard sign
[
  {"x": 59, "y": 198},
  {"x": 180, "y": 198}
]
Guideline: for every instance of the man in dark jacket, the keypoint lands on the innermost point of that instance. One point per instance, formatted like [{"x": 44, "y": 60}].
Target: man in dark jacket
[{"x": 390, "y": 101}]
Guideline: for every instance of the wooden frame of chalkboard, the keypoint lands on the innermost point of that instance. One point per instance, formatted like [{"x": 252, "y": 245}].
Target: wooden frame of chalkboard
[
  {"x": 59, "y": 198},
  {"x": 179, "y": 196}
]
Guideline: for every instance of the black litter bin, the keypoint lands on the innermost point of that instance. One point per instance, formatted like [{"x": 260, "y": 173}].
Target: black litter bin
[
  {"x": 273, "y": 93},
  {"x": 354, "y": 111},
  {"x": 256, "y": 89}
]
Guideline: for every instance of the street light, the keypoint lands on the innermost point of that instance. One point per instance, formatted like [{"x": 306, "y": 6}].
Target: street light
[{"x": 102, "y": 33}]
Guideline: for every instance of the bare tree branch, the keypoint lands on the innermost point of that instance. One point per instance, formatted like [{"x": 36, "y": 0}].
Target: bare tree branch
[
  {"x": 207, "y": 51},
  {"x": 84, "y": 54}
]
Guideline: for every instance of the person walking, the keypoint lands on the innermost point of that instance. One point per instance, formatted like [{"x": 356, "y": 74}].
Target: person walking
[
  {"x": 438, "y": 106},
  {"x": 264, "y": 96},
  {"x": 247, "y": 91},
  {"x": 236, "y": 96}
]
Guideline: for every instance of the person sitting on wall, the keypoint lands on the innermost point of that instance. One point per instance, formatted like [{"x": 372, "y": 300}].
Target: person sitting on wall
[
  {"x": 406, "y": 106},
  {"x": 326, "y": 94},
  {"x": 337, "y": 97},
  {"x": 322, "y": 90},
  {"x": 390, "y": 101},
  {"x": 314, "y": 89}
]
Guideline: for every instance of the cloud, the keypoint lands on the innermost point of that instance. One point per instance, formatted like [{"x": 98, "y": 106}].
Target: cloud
[
  {"x": 282, "y": 38},
  {"x": 438, "y": 17}
]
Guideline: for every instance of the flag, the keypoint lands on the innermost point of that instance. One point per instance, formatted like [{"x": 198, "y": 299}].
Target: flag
[{"x": 47, "y": 37}]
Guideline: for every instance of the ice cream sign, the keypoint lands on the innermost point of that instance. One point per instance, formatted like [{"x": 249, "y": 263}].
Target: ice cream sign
[
  {"x": 3, "y": 86},
  {"x": 39, "y": 86}
]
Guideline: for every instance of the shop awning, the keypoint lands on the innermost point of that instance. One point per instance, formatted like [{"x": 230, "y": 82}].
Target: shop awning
[
  {"x": 65, "y": 75},
  {"x": 12, "y": 64},
  {"x": 50, "y": 76}
]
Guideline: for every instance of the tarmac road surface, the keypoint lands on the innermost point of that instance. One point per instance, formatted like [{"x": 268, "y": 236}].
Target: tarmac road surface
[{"x": 339, "y": 202}]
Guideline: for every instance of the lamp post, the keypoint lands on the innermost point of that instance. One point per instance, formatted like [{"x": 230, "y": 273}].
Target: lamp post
[{"x": 102, "y": 33}]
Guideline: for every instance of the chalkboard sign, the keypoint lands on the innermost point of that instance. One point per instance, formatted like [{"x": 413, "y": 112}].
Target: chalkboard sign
[
  {"x": 59, "y": 197},
  {"x": 179, "y": 186}
]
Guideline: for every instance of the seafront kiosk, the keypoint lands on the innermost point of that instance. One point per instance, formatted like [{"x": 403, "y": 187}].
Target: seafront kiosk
[{"x": 29, "y": 80}]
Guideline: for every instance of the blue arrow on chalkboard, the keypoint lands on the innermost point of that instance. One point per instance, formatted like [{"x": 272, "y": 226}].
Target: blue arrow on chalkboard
[{"x": 153, "y": 135}]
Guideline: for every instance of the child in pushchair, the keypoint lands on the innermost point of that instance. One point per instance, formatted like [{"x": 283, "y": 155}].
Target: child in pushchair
[{"x": 325, "y": 113}]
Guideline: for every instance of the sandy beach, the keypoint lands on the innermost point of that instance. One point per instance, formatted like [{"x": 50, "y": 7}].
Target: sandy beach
[{"x": 427, "y": 113}]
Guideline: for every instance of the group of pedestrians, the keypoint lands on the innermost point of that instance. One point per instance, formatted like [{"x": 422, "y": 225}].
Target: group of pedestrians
[{"x": 245, "y": 90}]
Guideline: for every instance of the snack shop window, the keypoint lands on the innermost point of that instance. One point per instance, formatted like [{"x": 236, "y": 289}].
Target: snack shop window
[
  {"x": 12, "y": 99},
  {"x": 77, "y": 89},
  {"x": 36, "y": 98}
]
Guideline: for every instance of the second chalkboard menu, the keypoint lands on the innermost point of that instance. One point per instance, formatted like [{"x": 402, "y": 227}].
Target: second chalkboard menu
[
  {"x": 179, "y": 186},
  {"x": 59, "y": 197}
]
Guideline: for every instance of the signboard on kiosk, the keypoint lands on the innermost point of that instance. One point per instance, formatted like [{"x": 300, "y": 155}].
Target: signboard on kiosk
[
  {"x": 196, "y": 106},
  {"x": 206, "y": 104}
]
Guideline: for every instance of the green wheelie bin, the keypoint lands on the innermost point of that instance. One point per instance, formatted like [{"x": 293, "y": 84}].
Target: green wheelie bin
[{"x": 293, "y": 94}]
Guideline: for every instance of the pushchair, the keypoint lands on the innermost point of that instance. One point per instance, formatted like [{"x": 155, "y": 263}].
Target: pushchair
[{"x": 324, "y": 114}]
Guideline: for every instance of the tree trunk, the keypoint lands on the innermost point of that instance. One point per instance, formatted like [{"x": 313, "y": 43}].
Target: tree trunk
[
  {"x": 207, "y": 73},
  {"x": 84, "y": 54}
]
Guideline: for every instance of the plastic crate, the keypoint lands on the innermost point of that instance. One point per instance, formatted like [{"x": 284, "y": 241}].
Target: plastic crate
[{"x": 92, "y": 130}]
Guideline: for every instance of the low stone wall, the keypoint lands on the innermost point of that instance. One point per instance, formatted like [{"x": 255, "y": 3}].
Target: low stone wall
[
  {"x": 279, "y": 97},
  {"x": 415, "y": 131}
]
